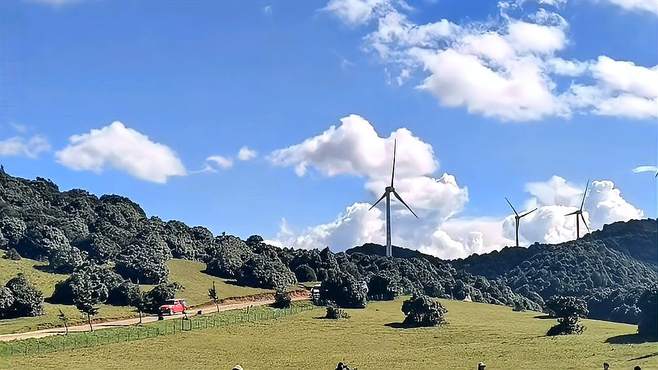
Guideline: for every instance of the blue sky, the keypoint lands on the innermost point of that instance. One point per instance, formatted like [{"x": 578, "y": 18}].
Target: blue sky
[{"x": 205, "y": 78}]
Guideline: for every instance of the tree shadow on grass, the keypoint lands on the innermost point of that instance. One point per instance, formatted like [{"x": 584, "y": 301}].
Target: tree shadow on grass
[
  {"x": 644, "y": 357},
  {"x": 399, "y": 325},
  {"x": 543, "y": 317},
  {"x": 630, "y": 339}
]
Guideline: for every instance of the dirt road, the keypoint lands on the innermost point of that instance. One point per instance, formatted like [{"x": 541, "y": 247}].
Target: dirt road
[{"x": 205, "y": 309}]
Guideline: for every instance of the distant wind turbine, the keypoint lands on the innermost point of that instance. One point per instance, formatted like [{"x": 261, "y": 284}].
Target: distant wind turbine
[
  {"x": 517, "y": 219},
  {"x": 579, "y": 214},
  {"x": 387, "y": 194}
]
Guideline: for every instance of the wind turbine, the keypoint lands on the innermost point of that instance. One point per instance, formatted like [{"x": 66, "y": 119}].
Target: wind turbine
[
  {"x": 579, "y": 213},
  {"x": 517, "y": 219},
  {"x": 387, "y": 194}
]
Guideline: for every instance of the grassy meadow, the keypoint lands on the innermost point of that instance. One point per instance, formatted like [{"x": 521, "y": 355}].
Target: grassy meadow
[
  {"x": 370, "y": 339},
  {"x": 188, "y": 273}
]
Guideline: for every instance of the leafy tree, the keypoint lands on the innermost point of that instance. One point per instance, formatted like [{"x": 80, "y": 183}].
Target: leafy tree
[
  {"x": 28, "y": 300},
  {"x": 86, "y": 300},
  {"x": 145, "y": 260},
  {"x": 254, "y": 240},
  {"x": 264, "y": 272},
  {"x": 124, "y": 294},
  {"x": 305, "y": 273},
  {"x": 383, "y": 286},
  {"x": 65, "y": 260},
  {"x": 100, "y": 279},
  {"x": 214, "y": 297},
  {"x": 568, "y": 310},
  {"x": 6, "y": 302},
  {"x": 12, "y": 230},
  {"x": 225, "y": 265},
  {"x": 648, "y": 304},
  {"x": 421, "y": 310},
  {"x": 345, "y": 291}
]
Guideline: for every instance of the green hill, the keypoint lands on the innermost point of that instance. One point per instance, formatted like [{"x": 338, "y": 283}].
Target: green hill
[
  {"x": 196, "y": 283},
  {"x": 188, "y": 273},
  {"x": 45, "y": 282},
  {"x": 475, "y": 332}
]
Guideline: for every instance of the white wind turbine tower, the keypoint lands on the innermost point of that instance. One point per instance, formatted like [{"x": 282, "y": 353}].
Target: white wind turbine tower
[
  {"x": 579, "y": 214},
  {"x": 517, "y": 219},
  {"x": 387, "y": 194}
]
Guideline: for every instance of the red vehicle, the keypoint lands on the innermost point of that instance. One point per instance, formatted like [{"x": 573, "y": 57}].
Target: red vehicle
[{"x": 174, "y": 306}]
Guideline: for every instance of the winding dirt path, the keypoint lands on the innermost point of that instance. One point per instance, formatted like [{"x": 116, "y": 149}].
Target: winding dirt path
[{"x": 227, "y": 305}]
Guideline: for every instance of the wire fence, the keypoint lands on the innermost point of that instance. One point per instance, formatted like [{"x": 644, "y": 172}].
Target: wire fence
[{"x": 78, "y": 340}]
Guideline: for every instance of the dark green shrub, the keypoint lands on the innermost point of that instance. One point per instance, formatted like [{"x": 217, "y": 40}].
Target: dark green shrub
[
  {"x": 383, "y": 287},
  {"x": 102, "y": 281},
  {"x": 305, "y": 273},
  {"x": 282, "y": 299},
  {"x": 264, "y": 272},
  {"x": 125, "y": 294},
  {"x": 27, "y": 299},
  {"x": 421, "y": 310},
  {"x": 345, "y": 291},
  {"x": 648, "y": 304},
  {"x": 334, "y": 312},
  {"x": 568, "y": 310}
]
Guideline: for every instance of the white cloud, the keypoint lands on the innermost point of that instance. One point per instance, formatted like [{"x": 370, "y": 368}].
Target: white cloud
[
  {"x": 355, "y": 148},
  {"x": 222, "y": 162},
  {"x": 563, "y": 67},
  {"x": 353, "y": 227},
  {"x": 642, "y": 169},
  {"x": 505, "y": 68},
  {"x": 356, "y": 12},
  {"x": 650, "y": 6},
  {"x": 246, "y": 154},
  {"x": 124, "y": 149},
  {"x": 267, "y": 10},
  {"x": 621, "y": 89},
  {"x": 20, "y": 146}
]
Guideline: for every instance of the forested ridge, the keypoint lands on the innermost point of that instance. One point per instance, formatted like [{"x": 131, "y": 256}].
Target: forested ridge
[{"x": 110, "y": 243}]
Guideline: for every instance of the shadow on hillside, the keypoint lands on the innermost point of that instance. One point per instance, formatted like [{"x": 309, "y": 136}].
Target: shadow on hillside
[
  {"x": 630, "y": 339},
  {"x": 45, "y": 268},
  {"x": 543, "y": 317}
]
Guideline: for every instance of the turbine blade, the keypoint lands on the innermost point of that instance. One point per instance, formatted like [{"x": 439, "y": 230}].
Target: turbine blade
[
  {"x": 403, "y": 202},
  {"x": 585, "y": 222},
  {"x": 377, "y": 202},
  {"x": 510, "y": 204},
  {"x": 573, "y": 213},
  {"x": 584, "y": 195},
  {"x": 395, "y": 147},
  {"x": 527, "y": 213}
]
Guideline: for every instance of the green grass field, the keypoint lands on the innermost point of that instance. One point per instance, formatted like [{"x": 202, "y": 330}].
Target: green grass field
[
  {"x": 369, "y": 340},
  {"x": 196, "y": 283},
  {"x": 188, "y": 273}
]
